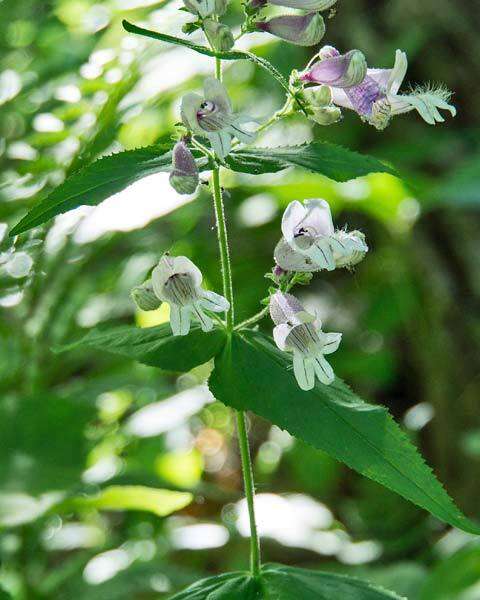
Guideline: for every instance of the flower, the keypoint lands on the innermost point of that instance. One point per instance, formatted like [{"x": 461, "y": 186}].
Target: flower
[
  {"x": 302, "y": 30},
  {"x": 376, "y": 98},
  {"x": 206, "y": 8},
  {"x": 177, "y": 281},
  {"x": 212, "y": 116},
  {"x": 310, "y": 242},
  {"x": 311, "y": 5},
  {"x": 337, "y": 70},
  {"x": 220, "y": 35},
  {"x": 184, "y": 174},
  {"x": 295, "y": 332}
]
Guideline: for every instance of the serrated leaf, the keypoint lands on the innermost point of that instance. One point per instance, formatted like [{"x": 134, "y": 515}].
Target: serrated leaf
[
  {"x": 331, "y": 160},
  {"x": 286, "y": 583},
  {"x": 135, "y": 497},
  {"x": 251, "y": 374},
  {"x": 231, "y": 586},
  {"x": 283, "y": 583},
  {"x": 156, "y": 346},
  {"x": 230, "y": 55},
  {"x": 98, "y": 181}
]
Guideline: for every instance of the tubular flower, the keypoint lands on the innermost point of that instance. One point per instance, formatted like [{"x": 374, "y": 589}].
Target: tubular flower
[
  {"x": 184, "y": 174},
  {"x": 211, "y": 115},
  {"x": 206, "y": 8},
  {"x": 177, "y": 281},
  {"x": 310, "y": 242},
  {"x": 311, "y": 5},
  {"x": 376, "y": 98},
  {"x": 337, "y": 70},
  {"x": 295, "y": 332},
  {"x": 302, "y": 30}
]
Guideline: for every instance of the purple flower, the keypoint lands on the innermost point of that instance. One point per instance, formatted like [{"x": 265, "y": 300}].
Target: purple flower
[
  {"x": 184, "y": 174},
  {"x": 376, "y": 97},
  {"x": 302, "y": 30},
  {"x": 342, "y": 70}
]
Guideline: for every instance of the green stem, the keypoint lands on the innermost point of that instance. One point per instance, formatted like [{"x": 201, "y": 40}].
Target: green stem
[
  {"x": 247, "y": 469},
  {"x": 252, "y": 320},
  {"x": 249, "y": 492}
]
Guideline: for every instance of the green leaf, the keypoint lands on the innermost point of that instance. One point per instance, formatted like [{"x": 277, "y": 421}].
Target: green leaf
[
  {"x": 135, "y": 497},
  {"x": 333, "y": 161},
  {"x": 96, "y": 182},
  {"x": 231, "y": 586},
  {"x": 283, "y": 583},
  {"x": 286, "y": 583},
  {"x": 156, "y": 346},
  {"x": 230, "y": 55},
  {"x": 251, "y": 374},
  {"x": 4, "y": 595}
]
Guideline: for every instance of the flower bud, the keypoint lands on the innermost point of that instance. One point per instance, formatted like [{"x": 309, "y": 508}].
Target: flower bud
[
  {"x": 203, "y": 8},
  {"x": 302, "y": 30},
  {"x": 184, "y": 175},
  {"x": 219, "y": 35},
  {"x": 342, "y": 71},
  {"x": 144, "y": 296},
  {"x": 318, "y": 96},
  {"x": 326, "y": 115},
  {"x": 310, "y": 5},
  {"x": 327, "y": 52}
]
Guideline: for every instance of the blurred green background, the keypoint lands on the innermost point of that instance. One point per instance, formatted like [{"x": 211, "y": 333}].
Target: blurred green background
[{"x": 74, "y": 86}]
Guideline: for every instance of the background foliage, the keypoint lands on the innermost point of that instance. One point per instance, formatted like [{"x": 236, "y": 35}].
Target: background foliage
[{"x": 74, "y": 84}]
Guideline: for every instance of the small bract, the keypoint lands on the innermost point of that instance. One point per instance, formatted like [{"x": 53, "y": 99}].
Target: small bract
[
  {"x": 211, "y": 116},
  {"x": 177, "y": 281},
  {"x": 295, "y": 332}
]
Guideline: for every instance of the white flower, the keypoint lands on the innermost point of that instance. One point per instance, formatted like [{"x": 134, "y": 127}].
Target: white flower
[
  {"x": 212, "y": 116},
  {"x": 177, "y": 281},
  {"x": 310, "y": 242},
  {"x": 295, "y": 332}
]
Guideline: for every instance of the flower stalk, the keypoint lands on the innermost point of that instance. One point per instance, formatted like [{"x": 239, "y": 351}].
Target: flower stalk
[{"x": 247, "y": 468}]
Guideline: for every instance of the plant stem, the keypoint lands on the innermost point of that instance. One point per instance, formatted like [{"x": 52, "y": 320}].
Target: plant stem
[
  {"x": 252, "y": 320},
  {"x": 247, "y": 469},
  {"x": 249, "y": 491}
]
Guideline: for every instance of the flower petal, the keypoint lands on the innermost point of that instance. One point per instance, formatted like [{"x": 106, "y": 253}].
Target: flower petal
[
  {"x": 323, "y": 370},
  {"x": 321, "y": 254},
  {"x": 319, "y": 216},
  {"x": 303, "y": 368},
  {"x": 280, "y": 334},
  {"x": 293, "y": 215},
  {"x": 214, "y": 302},
  {"x": 182, "y": 264},
  {"x": 329, "y": 342},
  {"x": 290, "y": 260},
  {"x": 397, "y": 74},
  {"x": 215, "y": 91},
  {"x": 180, "y": 319},
  {"x": 206, "y": 322},
  {"x": 188, "y": 111},
  {"x": 221, "y": 142}
]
